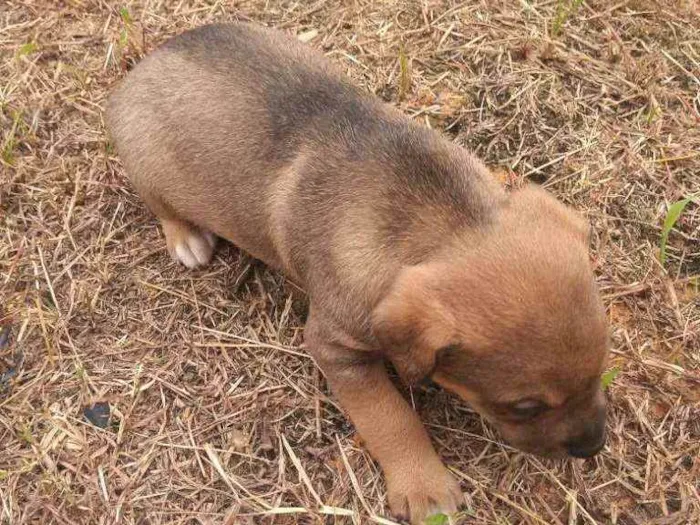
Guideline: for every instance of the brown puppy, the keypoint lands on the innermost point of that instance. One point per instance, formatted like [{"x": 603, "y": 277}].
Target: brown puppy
[{"x": 409, "y": 250}]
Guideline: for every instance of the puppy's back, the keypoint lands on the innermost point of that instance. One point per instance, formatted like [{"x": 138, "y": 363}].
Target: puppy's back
[
  {"x": 242, "y": 76},
  {"x": 216, "y": 114}
]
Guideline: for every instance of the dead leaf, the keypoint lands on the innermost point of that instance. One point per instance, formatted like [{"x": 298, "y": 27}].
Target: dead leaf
[
  {"x": 450, "y": 103},
  {"x": 239, "y": 441}
]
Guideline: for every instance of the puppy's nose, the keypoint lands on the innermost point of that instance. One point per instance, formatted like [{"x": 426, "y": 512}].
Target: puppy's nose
[
  {"x": 590, "y": 441},
  {"x": 584, "y": 450}
]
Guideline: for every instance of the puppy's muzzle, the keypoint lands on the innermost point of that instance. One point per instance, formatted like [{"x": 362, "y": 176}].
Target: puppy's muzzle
[{"x": 591, "y": 441}]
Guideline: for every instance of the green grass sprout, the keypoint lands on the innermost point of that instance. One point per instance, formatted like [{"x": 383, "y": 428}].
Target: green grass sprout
[
  {"x": 674, "y": 213},
  {"x": 608, "y": 377}
]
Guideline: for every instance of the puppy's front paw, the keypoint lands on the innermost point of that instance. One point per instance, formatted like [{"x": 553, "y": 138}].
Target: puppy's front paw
[
  {"x": 415, "y": 494},
  {"x": 189, "y": 246}
]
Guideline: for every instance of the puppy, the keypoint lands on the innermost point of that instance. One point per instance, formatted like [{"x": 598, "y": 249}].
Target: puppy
[{"x": 408, "y": 248}]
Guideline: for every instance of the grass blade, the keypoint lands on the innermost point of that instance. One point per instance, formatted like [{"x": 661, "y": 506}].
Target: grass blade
[
  {"x": 405, "y": 73},
  {"x": 608, "y": 377},
  {"x": 674, "y": 213}
]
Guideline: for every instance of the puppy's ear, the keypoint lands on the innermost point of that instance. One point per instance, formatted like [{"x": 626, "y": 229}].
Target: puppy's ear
[{"x": 411, "y": 324}]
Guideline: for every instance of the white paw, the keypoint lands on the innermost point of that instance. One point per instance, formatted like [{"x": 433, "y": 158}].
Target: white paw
[{"x": 194, "y": 249}]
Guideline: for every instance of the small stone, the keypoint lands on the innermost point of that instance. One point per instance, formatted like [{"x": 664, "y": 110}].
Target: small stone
[{"x": 97, "y": 414}]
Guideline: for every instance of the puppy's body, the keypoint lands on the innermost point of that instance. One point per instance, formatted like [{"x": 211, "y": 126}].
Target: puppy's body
[
  {"x": 267, "y": 146},
  {"x": 407, "y": 247}
]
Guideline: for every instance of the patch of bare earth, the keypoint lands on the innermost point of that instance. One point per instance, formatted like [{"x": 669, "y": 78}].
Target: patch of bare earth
[{"x": 216, "y": 413}]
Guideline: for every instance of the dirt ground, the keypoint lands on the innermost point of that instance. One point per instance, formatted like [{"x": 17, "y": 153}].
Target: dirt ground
[{"x": 215, "y": 412}]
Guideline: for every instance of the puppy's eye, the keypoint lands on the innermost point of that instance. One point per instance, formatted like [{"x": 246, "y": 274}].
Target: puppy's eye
[{"x": 528, "y": 408}]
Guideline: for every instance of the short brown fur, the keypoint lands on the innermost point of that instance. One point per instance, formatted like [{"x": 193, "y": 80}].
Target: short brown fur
[{"x": 409, "y": 250}]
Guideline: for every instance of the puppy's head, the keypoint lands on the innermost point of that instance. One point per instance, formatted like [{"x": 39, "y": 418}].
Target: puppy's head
[{"x": 509, "y": 319}]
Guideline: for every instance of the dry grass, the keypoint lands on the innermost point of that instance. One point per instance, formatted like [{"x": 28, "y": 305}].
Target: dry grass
[{"x": 217, "y": 413}]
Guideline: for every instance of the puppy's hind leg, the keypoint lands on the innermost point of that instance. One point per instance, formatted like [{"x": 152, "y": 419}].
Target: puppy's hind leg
[{"x": 187, "y": 244}]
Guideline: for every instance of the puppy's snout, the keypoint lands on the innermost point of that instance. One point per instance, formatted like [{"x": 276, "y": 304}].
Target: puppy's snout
[
  {"x": 591, "y": 441},
  {"x": 583, "y": 448}
]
